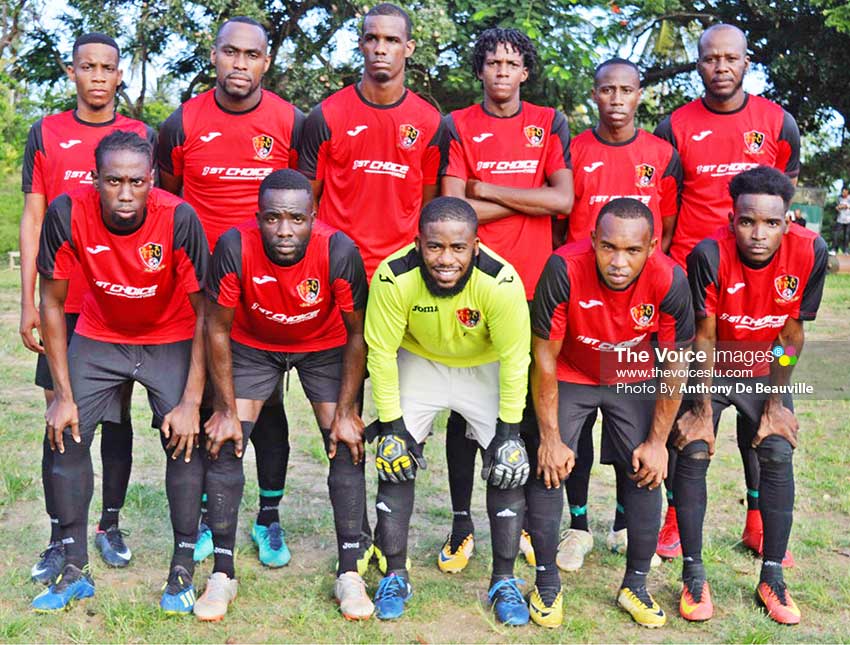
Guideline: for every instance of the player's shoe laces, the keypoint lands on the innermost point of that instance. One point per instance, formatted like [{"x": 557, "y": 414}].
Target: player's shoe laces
[
  {"x": 642, "y": 607},
  {"x": 455, "y": 561},
  {"x": 526, "y": 548},
  {"x": 573, "y": 547},
  {"x": 203, "y": 543},
  {"x": 271, "y": 542},
  {"x": 618, "y": 542},
  {"x": 695, "y": 602},
  {"x": 777, "y": 601},
  {"x": 669, "y": 543},
  {"x": 213, "y": 603},
  {"x": 72, "y": 584},
  {"x": 178, "y": 593},
  {"x": 112, "y": 548},
  {"x": 507, "y": 602},
  {"x": 381, "y": 559},
  {"x": 753, "y": 537},
  {"x": 393, "y": 591},
  {"x": 49, "y": 565},
  {"x": 551, "y": 615},
  {"x": 350, "y": 593}
]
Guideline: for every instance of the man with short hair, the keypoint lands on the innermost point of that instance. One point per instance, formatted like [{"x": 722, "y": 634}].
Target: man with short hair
[
  {"x": 754, "y": 282},
  {"x": 447, "y": 328},
  {"x": 142, "y": 251},
  {"x": 59, "y": 156},
  {"x": 285, "y": 292},
  {"x": 597, "y": 307},
  {"x": 841, "y": 232}
]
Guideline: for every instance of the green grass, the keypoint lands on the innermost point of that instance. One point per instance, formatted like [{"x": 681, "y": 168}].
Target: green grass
[
  {"x": 295, "y": 604},
  {"x": 11, "y": 206}
]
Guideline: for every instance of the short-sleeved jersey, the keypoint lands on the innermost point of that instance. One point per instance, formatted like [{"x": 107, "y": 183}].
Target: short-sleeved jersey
[
  {"x": 287, "y": 308},
  {"x": 574, "y": 305},
  {"x": 520, "y": 151},
  {"x": 751, "y": 304},
  {"x": 486, "y": 322},
  {"x": 645, "y": 168},
  {"x": 59, "y": 157},
  {"x": 716, "y": 146},
  {"x": 373, "y": 161},
  {"x": 138, "y": 282},
  {"x": 223, "y": 156}
]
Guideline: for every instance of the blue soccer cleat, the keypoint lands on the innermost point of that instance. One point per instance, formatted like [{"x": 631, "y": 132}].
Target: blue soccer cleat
[
  {"x": 507, "y": 602},
  {"x": 393, "y": 592},
  {"x": 271, "y": 541},
  {"x": 72, "y": 584},
  {"x": 178, "y": 593},
  {"x": 203, "y": 543}
]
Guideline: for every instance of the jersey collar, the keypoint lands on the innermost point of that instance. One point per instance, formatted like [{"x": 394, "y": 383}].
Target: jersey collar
[
  {"x": 94, "y": 125},
  {"x": 615, "y": 144},
  {"x": 237, "y": 112},
  {"x": 496, "y": 116},
  {"x": 376, "y": 105},
  {"x": 743, "y": 105}
]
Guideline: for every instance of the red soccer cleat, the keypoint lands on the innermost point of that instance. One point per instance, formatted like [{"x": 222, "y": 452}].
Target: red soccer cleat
[
  {"x": 669, "y": 543},
  {"x": 695, "y": 604},
  {"x": 778, "y": 603},
  {"x": 753, "y": 537}
]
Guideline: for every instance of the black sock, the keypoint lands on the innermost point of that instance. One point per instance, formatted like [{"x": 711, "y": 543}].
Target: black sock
[
  {"x": 506, "y": 510},
  {"x": 620, "y": 511},
  {"x": 643, "y": 519},
  {"x": 771, "y": 572},
  {"x": 347, "y": 492},
  {"x": 47, "y": 486},
  {"x": 183, "y": 485},
  {"x": 269, "y": 503},
  {"x": 116, "y": 454},
  {"x": 691, "y": 494},
  {"x": 777, "y": 495},
  {"x": 578, "y": 483},
  {"x": 545, "y": 506},
  {"x": 460, "y": 461},
  {"x": 73, "y": 483},
  {"x": 749, "y": 459},
  {"x": 270, "y": 438},
  {"x": 669, "y": 483},
  {"x": 394, "y": 506}
]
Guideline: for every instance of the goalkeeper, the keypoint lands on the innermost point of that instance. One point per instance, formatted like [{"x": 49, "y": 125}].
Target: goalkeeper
[{"x": 447, "y": 327}]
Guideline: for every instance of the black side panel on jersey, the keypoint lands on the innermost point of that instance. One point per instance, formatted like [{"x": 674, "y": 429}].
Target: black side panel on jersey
[
  {"x": 678, "y": 304},
  {"x": 405, "y": 263},
  {"x": 55, "y": 231},
  {"x": 346, "y": 264},
  {"x": 170, "y": 136},
  {"x": 298, "y": 120},
  {"x": 227, "y": 258},
  {"x": 664, "y": 130},
  {"x": 561, "y": 129},
  {"x": 703, "y": 263},
  {"x": 315, "y": 132},
  {"x": 814, "y": 287},
  {"x": 189, "y": 235},
  {"x": 486, "y": 263},
  {"x": 449, "y": 133},
  {"x": 791, "y": 133},
  {"x": 552, "y": 289},
  {"x": 35, "y": 144}
]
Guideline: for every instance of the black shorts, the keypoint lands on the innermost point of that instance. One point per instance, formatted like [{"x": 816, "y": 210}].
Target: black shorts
[
  {"x": 100, "y": 370},
  {"x": 43, "y": 379},
  {"x": 743, "y": 395},
  {"x": 257, "y": 372}
]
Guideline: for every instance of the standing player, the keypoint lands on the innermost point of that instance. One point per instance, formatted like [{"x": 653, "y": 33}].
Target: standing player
[
  {"x": 614, "y": 159},
  {"x": 719, "y": 135},
  {"x": 754, "y": 282},
  {"x": 447, "y": 327},
  {"x": 597, "y": 307},
  {"x": 58, "y": 158},
  {"x": 217, "y": 148},
  {"x": 509, "y": 159},
  {"x": 142, "y": 251}
]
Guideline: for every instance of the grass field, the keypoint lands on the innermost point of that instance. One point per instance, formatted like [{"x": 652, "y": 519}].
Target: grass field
[{"x": 294, "y": 604}]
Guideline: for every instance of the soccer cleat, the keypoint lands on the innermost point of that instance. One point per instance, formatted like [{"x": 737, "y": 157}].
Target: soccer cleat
[
  {"x": 72, "y": 584},
  {"x": 507, "y": 602},
  {"x": 178, "y": 593},
  {"x": 695, "y": 602},
  {"x": 641, "y": 606},
  {"x": 350, "y": 593},
  {"x": 618, "y": 542},
  {"x": 381, "y": 559},
  {"x": 546, "y": 615},
  {"x": 526, "y": 548},
  {"x": 213, "y": 603},
  {"x": 572, "y": 549},
  {"x": 777, "y": 601},
  {"x": 49, "y": 565},
  {"x": 203, "y": 543},
  {"x": 753, "y": 537},
  {"x": 112, "y": 548},
  {"x": 271, "y": 542},
  {"x": 669, "y": 544},
  {"x": 393, "y": 592},
  {"x": 456, "y": 562}
]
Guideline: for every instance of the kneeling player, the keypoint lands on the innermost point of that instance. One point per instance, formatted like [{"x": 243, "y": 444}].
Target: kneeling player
[
  {"x": 596, "y": 307},
  {"x": 447, "y": 328},
  {"x": 142, "y": 250},
  {"x": 754, "y": 282},
  {"x": 286, "y": 291}
]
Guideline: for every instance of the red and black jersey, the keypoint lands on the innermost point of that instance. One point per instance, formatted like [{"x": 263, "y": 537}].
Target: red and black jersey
[
  {"x": 288, "y": 308},
  {"x": 645, "y": 168},
  {"x": 520, "y": 151},
  {"x": 59, "y": 157},
  {"x": 751, "y": 304},
  {"x": 573, "y": 304},
  {"x": 223, "y": 156},
  {"x": 716, "y": 146},
  {"x": 373, "y": 161},
  {"x": 137, "y": 282}
]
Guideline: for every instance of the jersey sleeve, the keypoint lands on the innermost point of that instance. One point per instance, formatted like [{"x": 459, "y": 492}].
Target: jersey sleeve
[
  {"x": 56, "y": 254},
  {"x": 676, "y": 319},
  {"x": 558, "y": 154},
  {"x": 671, "y": 186},
  {"x": 314, "y": 140},
  {"x": 454, "y": 161},
  {"x": 703, "y": 263},
  {"x": 224, "y": 280},
  {"x": 788, "y": 156},
  {"x": 169, "y": 149},
  {"x": 298, "y": 119},
  {"x": 191, "y": 252},
  {"x": 432, "y": 157},
  {"x": 551, "y": 301},
  {"x": 814, "y": 287},
  {"x": 347, "y": 274},
  {"x": 664, "y": 130},
  {"x": 32, "y": 180}
]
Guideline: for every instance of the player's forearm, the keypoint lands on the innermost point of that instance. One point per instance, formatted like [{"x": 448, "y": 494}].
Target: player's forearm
[
  {"x": 668, "y": 226},
  {"x": 488, "y": 211},
  {"x": 544, "y": 391},
  {"x": 791, "y": 335},
  {"x": 194, "y": 390},
  {"x": 705, "y": 342},
  {"x": 55, "y": 338},
  {"x": 29, "y": 233},
  {"x": 668, "y": 400},
  {"x": 353, "y": 373},
  {"x": 544, "y": 201},
  {"x": 220, "y": 365}
]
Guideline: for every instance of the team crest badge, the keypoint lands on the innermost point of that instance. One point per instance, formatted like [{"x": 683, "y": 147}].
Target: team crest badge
[
  {"x": 534, "y": 134},
  {"x": 151, "y": 254},
  {"x": 754, "y": 140},
  {"x": 642, "y": 314},
  {"x": 786, "y": 286},
  {"x": 468, "y": 317},
  {"x": 263, "y": 145},
  {"x": 644, "y": 174},
  {"x": 408, "y": 135},
  {"x": 309, "y": 290}
]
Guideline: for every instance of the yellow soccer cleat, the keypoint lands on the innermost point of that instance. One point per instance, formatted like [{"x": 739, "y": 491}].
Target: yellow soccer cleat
[
  {"x": 526, "y": 548},
  {"x": 551, "y": 616},
  {"x": 456, "y": 562},
  {"x": 642, "y": 607},
  {"x": 381, "y": 559}
]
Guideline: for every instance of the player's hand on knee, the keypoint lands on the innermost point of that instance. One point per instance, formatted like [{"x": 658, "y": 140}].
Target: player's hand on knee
[
  {"x": 649, "y": 464},
  {"x": 398, "y": 456},
  {"x": 181, "y": 427},
  {"x": 61, "y": 414},
  {"x": 223, "y": 426},
  {"x": 348, "y": 429},
  {"x": 776, "y": 419},
  {"x": 555, "y": 462},
  {"x": 505, "y": 462},
  {"x": 695, "y": 425}
]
